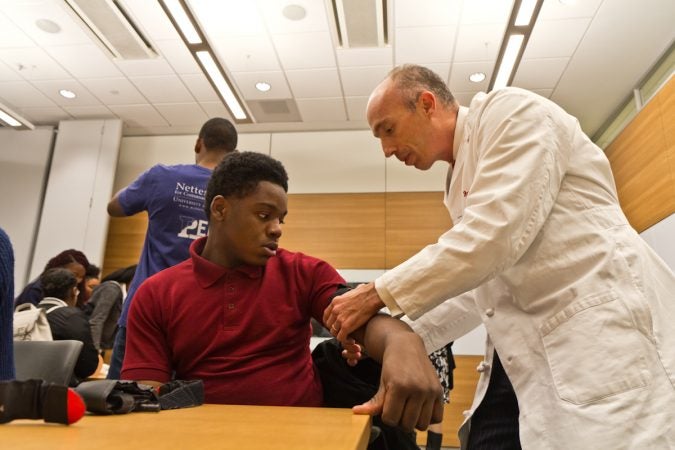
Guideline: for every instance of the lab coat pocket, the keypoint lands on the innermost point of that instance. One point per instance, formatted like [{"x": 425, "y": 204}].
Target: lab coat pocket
[{"x": 594, "y": 350}]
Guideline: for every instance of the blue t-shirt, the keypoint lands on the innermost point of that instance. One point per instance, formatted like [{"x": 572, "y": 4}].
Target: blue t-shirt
[{"x": 173, "y": 196}]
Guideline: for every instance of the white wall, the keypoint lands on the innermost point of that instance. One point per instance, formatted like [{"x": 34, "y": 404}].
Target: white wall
[
  {"x": 661, "y": 237},
  {"x": 24, "y": 156},
  {"x": 78, "y": 190}
]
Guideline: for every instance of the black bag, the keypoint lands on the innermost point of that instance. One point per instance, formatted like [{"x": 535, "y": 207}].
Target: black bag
[
  {"x": 345, "y": 386},
  {"x": 117, "y": 397}
]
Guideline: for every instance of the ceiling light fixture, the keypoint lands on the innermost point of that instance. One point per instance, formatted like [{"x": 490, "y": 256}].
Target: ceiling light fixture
[
  {"x": 262, "y": 86},
  {"x": 294, "y": 12},
  {"x": 518, "y": 31},
  {"x": 48, "y": 26},
  {"x": 476, "y": 77},
  {"x": 185, "y": 23},
  {"x": 14, "y": 120},
  {"x": 360, "y": 23},
  {"x": 67, "y": 94}
]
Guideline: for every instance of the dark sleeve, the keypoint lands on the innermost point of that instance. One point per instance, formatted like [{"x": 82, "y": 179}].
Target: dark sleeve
[
  {"x": 104, "y": 297},
  {"x": 78, "y": 327},
  {"x": 32, "y": 293}
]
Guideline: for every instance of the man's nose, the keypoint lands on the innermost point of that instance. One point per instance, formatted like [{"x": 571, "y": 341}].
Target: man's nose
[
  {"x": 275, "y": 229},
  {"x": 387, "y": 149}
]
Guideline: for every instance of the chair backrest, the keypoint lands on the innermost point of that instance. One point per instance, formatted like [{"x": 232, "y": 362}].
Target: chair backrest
[{"x": 52, "y": 361}]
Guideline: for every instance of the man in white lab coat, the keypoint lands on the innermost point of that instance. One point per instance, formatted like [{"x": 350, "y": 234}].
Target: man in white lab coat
[{"x": 580, "y": 310}]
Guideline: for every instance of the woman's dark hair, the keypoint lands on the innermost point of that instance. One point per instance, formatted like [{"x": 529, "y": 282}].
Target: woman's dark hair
[
  {"x": 67, "y": 257},
  {"x": 123, "y": 275},
  {"x": 239, "y": 174},
  {"x": 57, "y": 283},
  {"x": 92, "y": 271}
]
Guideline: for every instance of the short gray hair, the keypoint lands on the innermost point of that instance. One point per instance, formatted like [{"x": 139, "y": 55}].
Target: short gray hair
[{"x": 412, "y": 79}]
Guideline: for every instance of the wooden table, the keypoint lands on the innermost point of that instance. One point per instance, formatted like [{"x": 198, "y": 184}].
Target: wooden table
[{"x": 205, "y": 427}]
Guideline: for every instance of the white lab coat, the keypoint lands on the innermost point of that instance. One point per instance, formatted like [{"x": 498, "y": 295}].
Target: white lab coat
[{"x": 580, "y": 309}]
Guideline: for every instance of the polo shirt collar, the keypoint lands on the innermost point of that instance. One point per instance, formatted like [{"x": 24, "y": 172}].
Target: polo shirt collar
[{"x": 208, "y": 272}]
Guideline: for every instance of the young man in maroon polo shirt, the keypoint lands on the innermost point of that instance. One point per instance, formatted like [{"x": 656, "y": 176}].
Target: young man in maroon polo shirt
[{"x": 236, "y": 314}]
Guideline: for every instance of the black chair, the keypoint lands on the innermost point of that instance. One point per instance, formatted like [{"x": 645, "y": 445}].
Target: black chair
[{"x": 52, "y": 361}]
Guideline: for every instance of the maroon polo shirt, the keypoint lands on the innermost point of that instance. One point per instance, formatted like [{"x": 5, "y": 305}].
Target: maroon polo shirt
[{"x": 244, "y": 331}]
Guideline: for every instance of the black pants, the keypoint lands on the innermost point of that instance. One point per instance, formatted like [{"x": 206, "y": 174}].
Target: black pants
[{"x": 494, "y": 425}]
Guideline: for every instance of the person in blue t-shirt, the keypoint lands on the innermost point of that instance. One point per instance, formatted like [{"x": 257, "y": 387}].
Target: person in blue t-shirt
[{"x": 173, "y": 196}]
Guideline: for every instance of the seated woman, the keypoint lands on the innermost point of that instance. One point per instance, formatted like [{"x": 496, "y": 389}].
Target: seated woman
[
  {"x": 67, "y": 321},
  {"x": 73, "y": 260},
  {"x": 106, "y": 305}
]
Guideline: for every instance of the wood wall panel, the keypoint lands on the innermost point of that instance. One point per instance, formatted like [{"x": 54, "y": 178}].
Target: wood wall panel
[
  {"x": 414, "y": 220},
  {"x": 461, "y": 398},
  {"x": 350, "y": 231},
  {"x": 642, "y": 162},
  {"x": 346, "y": 230},
  {"x": 125, "y": 242}
]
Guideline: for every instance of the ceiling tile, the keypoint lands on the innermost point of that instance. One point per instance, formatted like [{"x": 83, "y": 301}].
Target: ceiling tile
[
  {"x": 486, "y": 11},
  {"x": 7, "y": 74},
  {"x": 246, "y": 82},
  {"x": 360, "y": 81},
  {"x": 355, "y": 57},
  {"x": 144, "y": 67},
  {"x": 163, "y": 89},
  {"x": 424, "y": 45},
  {"x": 539, "y": 73},
  {"x": 459, "y": 76},
  {"x": 216, "y": 109},
  {"x": 356, "y": 108},
  {"x": 25, "y": 14},
  {"x": 322, "y": 109},
  {"x": 479, "y": 42},
  {"x": 200, "y": 87},
  {"x": 180, "y": 114},
  {"x": 178, "y": 56},
  {"x": 33, "y": 64},
  {"x": 246, "y": 53},
  {"x": 51, "y": 89},
  {"x": 305, "y": 50},
  {"x": 555, "y": 38},
  {"x": 314, "y": 20},
  {"x": 571, "y": 10},
  {"x": 84, "y": 61},
  {"x": 139, "y": 115},
  {"x": 46, "y": 115},
  {"x": 89, "y": 112},
  {"x": 228, "y": 17},
  {"x": 413, "y": 13},
  {"x": 11, "y": 36},
  {"x": 114, "y": 91},
  {"x": 314, "y": 83},
  {"x": 22, "y": 94}
]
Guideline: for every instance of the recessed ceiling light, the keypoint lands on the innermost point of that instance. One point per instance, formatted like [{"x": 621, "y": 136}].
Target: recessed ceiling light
[
  {"x": 48, "y": 26},
  {"x": 477, "y": 77},
  {"x": 262, "y": 86},
  {"x": 67, "y": 94},
  {"x": 294, "y": 12}
]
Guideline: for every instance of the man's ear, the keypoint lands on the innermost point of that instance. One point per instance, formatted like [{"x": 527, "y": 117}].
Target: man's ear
[
  {"x": 219, "y": 207},
  {"x": 198, "y": 145},
  {"x": 427, "y": 101}
]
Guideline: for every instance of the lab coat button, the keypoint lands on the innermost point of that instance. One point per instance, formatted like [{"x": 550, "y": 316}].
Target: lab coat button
[{"x": 489, "y": 312}]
